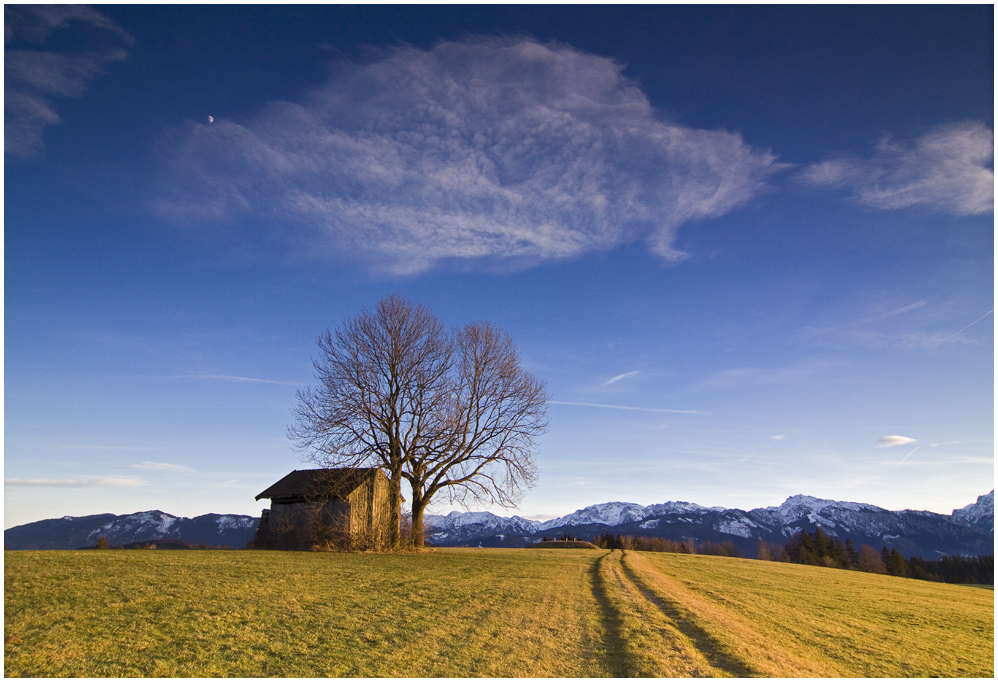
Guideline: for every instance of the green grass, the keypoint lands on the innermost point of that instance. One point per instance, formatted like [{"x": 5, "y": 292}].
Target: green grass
[{"x": 478, "y": 613}]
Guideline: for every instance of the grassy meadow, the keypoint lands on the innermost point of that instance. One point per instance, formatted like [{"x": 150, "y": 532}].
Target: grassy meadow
[{"x": 479, "y": 613}]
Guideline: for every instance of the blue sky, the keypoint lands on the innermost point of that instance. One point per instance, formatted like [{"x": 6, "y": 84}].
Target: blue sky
[{"x": 749, "y": 250}]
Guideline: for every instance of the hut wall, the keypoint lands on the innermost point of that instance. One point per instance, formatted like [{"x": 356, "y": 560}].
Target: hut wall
[
  {"x": 300, "y": 525},
  {"x": 381, "y": 508},
  {"x": 358, "y": 509},
  {"x": 370, "y": 509},
  {"x": 360, "y": 520},
  {"x": 286, "y": 528}
]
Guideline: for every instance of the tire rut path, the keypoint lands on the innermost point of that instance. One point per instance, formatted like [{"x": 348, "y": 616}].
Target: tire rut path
[
  {"x": 708, "y": 645},
  {"x": 619, "y": 664}
]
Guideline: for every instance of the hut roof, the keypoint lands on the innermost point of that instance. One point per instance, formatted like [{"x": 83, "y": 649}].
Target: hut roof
[{"x": 317, "y": 483}]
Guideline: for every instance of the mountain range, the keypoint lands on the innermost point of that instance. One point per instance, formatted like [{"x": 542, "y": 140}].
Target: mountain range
[
  {"x": 967, "y": 531},
  {"x": 75, "y": 532}
]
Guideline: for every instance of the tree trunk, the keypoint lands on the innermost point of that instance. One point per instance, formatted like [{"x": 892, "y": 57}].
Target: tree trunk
[
  {"x": 418, "y": 507},
  {"x": 394, "y": 509}
]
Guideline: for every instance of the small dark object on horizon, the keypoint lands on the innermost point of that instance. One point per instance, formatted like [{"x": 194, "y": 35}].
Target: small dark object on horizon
[{"x": 564, "y": 544}]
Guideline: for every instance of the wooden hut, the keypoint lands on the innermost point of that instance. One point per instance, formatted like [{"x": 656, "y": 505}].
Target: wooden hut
[{"x": 348, "y": 508}]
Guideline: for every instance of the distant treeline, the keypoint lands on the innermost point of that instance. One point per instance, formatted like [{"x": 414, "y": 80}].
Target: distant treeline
[
  {"x": 643, "y": 544},
  {"x": 156, "y": 544},
  {"x": 819, "y": 549}
]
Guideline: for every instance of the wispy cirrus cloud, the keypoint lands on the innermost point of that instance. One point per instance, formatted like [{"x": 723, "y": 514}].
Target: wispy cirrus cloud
[
  {"x": 862, "y": 332},
  {"x": 500, "y": 148},
  {"x": 731, "y": 378},
  {"x": 111, "y": 448},
  {"x": 35, "y": 78},
  {"x": 160, "y": 466},
  {"x": 619, "y": 377},
  {"x": 626, "y": 407},
  {"x": 950, "y": 169},
  {"x": 80, "y": 482},
  {"x": 902, "y": 310}
]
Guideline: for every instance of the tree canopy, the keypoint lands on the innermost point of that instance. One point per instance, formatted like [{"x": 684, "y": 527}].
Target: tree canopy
[{"x": 450, "y": 412}]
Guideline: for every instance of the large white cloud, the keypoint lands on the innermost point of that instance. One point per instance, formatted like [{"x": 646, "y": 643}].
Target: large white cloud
[
  {"x": 486, "y": 147},
  {"x": 34, "y": 78},
  {"x": 949, "y": 168}
]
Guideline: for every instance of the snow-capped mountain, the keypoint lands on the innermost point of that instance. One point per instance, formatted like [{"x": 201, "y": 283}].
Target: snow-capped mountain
[
  {"x": 608, "y": 514},
  {"x": 72, "y": 532},
  {"x": 915, "y": 533},
  {"x": 967, "y": 531},
  {"x": 980, "y": 513},
  {"x": 456, "y": 527}
]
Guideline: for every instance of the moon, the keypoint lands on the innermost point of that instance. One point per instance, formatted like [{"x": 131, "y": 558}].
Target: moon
[{"x": 211, "y": 119}]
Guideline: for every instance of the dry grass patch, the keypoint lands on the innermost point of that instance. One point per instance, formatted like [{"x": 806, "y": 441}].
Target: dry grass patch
[
  {"x": 286, "y": 614},
  {"x": 478, "y": 613},
  {"x": 643, "y": 641},
  {"x": 787, "y": 620}
]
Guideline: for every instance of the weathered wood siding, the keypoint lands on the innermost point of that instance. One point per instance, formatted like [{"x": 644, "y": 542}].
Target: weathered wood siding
[
  {"x": 381, "y": 508},
  {"x": 370, "y": 508},
  {"x": 363, "y": 516}
]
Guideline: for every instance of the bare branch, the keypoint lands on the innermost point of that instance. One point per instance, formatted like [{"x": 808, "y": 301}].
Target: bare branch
[{"x": 448, "y": 413}]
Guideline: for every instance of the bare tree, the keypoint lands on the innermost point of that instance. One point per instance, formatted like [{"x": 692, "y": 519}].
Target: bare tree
[
  {"x": 447, "y": 412},
  {"x": 381, "y": 378},
  {"x": 870, "y": 560},
  {"x": 483, "y": 450}
]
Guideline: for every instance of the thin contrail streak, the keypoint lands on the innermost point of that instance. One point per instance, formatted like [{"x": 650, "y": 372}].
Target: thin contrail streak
[
  {"x": 910, "y": 453},
  {"x": 229, "y": 377},
  {"x": 969, "y": 325},
  {"x": 625, "y": 407}
]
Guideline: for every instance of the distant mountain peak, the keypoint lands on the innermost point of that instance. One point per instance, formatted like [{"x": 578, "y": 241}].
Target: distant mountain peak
[
  {"x": 914, "y": 532},
  {"x": 606, "y": 513},
  {"x": 801, "y": 502},
  {"x": 797, "y": 507},
  {"x": 975, "y": 512}
]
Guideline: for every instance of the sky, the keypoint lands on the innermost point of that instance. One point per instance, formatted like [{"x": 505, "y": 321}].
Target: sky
[{"x": 749, "y": 250}]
